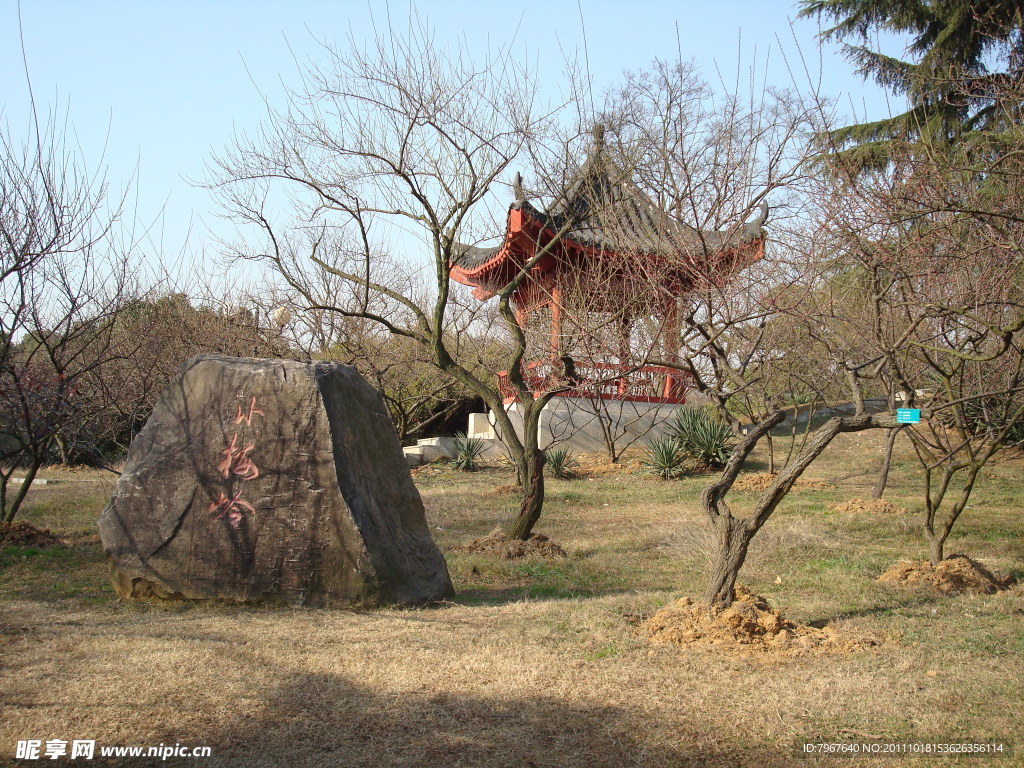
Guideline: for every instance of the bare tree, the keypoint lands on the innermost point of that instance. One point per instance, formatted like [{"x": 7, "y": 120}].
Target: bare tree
[
  {"x": 972, "y": 414},
  {"x": 905, "y": 280},
  {"x": 404, "y": 144},
  {"x": 419, "y": 395},
  {"x": 757, "y": 337},
  {"x": 131, "y": 349},
  {"x": 730, "y": 357},
  {"x": 936, "y": 241},
  {"x": 63, "y": 273}
]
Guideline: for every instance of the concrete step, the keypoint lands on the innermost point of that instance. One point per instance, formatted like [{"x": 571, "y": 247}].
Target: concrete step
[
  {"x": 413, "y": 456},
  {"x": 433, "y": 448}
]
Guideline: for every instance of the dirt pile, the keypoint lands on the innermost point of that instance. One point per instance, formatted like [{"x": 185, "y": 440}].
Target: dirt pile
[
  {"x": 759, "y": 482},
  {"x": 872, "y": 506},
  {"x": 753, "y": 482},
  {"x": 956, "y": 575},
  {"x": 19, "y": 534},
  {"x": 497, "y": 543},
  {"x": 749, "y": 625},
  {"x": 504, "y": 490},
  {"x": 598, "y": 465}
]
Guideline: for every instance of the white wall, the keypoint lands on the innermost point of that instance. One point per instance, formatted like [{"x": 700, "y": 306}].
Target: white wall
[{"x": 576, "y": 423}]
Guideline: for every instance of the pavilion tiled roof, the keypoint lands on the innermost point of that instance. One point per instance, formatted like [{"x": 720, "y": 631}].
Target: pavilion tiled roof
[{"x": 605, "y": 210}]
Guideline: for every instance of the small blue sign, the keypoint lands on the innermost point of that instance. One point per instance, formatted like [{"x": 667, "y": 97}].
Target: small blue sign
[{"x": 908, "y": 415}]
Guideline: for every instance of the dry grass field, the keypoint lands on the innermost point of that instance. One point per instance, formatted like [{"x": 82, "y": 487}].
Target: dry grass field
[{"x": 538, "y": 663}]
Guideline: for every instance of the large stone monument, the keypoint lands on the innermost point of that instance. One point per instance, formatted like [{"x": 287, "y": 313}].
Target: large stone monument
[{"x": 259, "y": 480}]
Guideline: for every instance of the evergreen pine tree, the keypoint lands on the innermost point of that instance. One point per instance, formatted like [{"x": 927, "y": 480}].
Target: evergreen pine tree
[{"x": 961, "y": 77}]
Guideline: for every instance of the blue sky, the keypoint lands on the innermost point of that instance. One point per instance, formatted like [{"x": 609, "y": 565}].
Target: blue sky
[{"x": 151, "y": 89}]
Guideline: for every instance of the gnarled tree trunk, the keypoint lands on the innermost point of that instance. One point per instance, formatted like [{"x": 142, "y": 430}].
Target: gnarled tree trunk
[
  {"x": 883, "y": 475},
  {"x": 735, "y": 533},
  {"x": 733, "y": 540},
  {"x": 533, "y": 495}
]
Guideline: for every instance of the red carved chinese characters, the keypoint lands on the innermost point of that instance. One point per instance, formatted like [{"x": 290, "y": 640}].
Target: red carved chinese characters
[
  {"x": 236, "y": 461},
  {"x": 247, "y": 418},
  {"x": 236, "y": 464},
  {"x": 231, "y": 508}
]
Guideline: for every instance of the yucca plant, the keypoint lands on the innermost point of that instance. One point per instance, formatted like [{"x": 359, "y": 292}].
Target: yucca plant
[
  {"x": 468, "y": 451},
  {"x": 561, "y": 462},
  {"x": 664, "y": 457},
  {"x": 703, "y": 434}
]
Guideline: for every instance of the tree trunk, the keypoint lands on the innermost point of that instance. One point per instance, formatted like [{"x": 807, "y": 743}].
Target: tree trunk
[
  {"x": 937, "y": 538},
  {"x": 883, "y": 475},
  {"x": 733, "y": 541},
  {"x": 533, "y": 497},
  {"x": 735, "y": 534},
  {"x": 12, "y": 506},
  {"x": 607, "y": 433},
  {"x": 62, "y": 450}
]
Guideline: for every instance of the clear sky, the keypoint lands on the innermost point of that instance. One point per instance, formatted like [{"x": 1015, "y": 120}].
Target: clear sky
[{"x": 152, "y": 88}]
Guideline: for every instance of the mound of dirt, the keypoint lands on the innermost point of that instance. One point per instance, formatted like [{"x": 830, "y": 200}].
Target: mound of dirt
[
  {"x": 497, "y": 543},
  {"x": 19, "y": 534},
  {"x": 759, "y": 482},
  {"x": 872, "y": 506},
  {"x": 956, "y": 575},
  {"x": 598, "y": 465},
  {"x": 73, "y": 469},
  {"x": 749, "y": 625},
  {"x": 504, "y": 490},
  {"x": 753, "y": 482}
]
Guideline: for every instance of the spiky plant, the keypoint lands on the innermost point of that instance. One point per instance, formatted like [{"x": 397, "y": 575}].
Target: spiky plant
[
  {"x": 664, "y": 457},
  {"x": 561, "y": 462},
  {"x": 703, "y": 434},
  {"x": 467, "y": 451}
]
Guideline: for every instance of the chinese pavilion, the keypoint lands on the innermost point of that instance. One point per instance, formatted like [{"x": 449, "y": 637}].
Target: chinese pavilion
[{"x": 601, "y": 259}]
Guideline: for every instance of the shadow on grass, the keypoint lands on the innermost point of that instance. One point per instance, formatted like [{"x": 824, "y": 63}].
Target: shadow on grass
[
  {"x": 1015, "y": 575},
  {"x": 321, "y": 719},
  {"x": 72, "y": 568},
  {"x": 750, "y": 465},
  {"x": 905, "y": 603},
  {"x": 485, "y": 596}
]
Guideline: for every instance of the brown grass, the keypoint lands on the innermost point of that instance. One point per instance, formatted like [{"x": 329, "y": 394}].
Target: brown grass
[{"x": 539, "y": 662}]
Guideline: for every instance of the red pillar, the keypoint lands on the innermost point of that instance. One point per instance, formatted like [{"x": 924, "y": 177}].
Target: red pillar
[
  {"x": 670, "y": 339},
  {"x": 625, "y": 323},
  {"x": 556, "y": 320}
]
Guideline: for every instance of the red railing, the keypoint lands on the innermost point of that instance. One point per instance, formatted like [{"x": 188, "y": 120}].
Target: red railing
[{"x": 647, "y": 384}]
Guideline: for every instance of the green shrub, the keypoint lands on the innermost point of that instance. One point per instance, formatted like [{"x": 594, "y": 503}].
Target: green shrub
[
  {"x": 703, "y": 434},
  {"x": 664, "y": 457},
  {"x": 561, "y": 462},
  {"x": 467, "y": 451}
]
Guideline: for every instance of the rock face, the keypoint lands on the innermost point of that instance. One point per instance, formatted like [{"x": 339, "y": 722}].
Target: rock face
[{"x": 259, "y": 480}]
